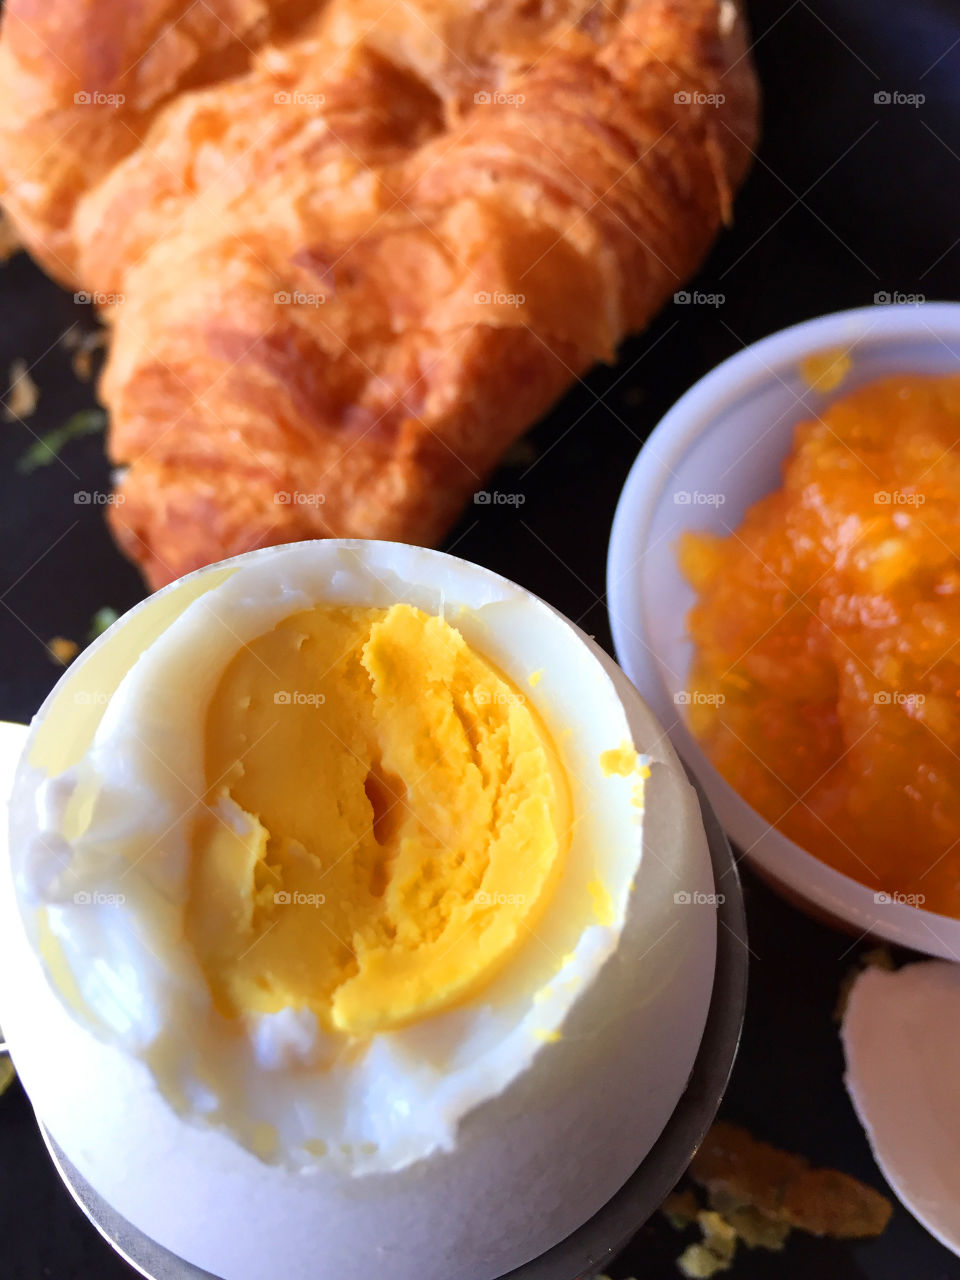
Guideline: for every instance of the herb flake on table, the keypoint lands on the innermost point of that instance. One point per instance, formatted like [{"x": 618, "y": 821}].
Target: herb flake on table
[{"x": 87, "y": 422}]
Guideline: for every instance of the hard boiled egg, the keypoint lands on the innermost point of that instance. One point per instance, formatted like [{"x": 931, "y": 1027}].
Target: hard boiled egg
[{"x": 369, "y": 907}]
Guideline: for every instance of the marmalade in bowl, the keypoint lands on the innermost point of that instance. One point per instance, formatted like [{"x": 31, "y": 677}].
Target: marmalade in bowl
[{"x": 826, "y": 680}]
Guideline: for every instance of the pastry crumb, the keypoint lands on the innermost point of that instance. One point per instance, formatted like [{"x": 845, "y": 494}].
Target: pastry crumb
[
  {"x": 23, "y": 393},
  {"x": 62, "y": 650},
  {"x": 680, "y": 1209},
  {"x": 698, "y": 1262},
  {"x": 83, "y": 345},
  {"x": 7, "y": 1073},
  {"x": 756, "y": 1195},
  {"x": 744, "y": 1172}
]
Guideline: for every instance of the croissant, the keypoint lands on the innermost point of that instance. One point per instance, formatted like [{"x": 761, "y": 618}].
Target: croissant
[{"x": 349, "y": 251}]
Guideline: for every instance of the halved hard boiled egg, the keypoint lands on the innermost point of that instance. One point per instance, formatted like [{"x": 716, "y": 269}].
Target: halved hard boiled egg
[{"x": 370, "y": 909}]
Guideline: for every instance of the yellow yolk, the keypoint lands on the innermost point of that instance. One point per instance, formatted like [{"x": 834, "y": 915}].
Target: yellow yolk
[{"x": 386, "y": 819}]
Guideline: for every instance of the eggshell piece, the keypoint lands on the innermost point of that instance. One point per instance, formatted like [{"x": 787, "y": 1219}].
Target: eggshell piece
[{"x": 901, "y": 1038}]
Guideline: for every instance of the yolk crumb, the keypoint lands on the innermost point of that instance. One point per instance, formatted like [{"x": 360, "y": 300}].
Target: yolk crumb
[
  {"x": 827, "y": 639},
  {"x": 602, "y": 902},
  {"x": 386, "y": 819},
  {"x": 619, "y": 761}
]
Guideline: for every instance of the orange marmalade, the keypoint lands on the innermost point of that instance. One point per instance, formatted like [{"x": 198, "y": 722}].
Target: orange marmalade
[{"x": 826, "y": 682}]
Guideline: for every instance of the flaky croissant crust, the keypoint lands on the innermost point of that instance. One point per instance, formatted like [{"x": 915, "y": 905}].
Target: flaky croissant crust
[{"x": 350, "y": 251}]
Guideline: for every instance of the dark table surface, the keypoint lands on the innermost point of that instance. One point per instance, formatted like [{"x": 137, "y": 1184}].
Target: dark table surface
[{"x": 849, "y": 198}]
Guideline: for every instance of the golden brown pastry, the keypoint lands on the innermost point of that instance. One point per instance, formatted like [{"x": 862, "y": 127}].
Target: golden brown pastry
[{"x": 359, "y": 247}]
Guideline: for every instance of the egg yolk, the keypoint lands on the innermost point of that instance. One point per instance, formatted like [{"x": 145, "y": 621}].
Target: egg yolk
[
  {"x": 385, "y": 820},
  {"x": 826, "y": 679}
]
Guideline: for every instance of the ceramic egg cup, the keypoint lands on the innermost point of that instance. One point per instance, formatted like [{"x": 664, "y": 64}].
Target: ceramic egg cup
[{"x": 717, "y": 451}]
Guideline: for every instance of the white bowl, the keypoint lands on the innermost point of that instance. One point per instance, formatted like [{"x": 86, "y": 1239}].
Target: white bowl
[{"x": 719, "y": 449}]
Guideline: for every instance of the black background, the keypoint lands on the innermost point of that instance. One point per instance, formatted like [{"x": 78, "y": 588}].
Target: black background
[{"x": 848, "y": 198}]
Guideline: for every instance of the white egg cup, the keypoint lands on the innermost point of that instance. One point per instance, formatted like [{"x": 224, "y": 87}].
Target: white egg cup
[
  {"x": 188, "y": 1191},
  {"x": 718, "y": 450}
]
